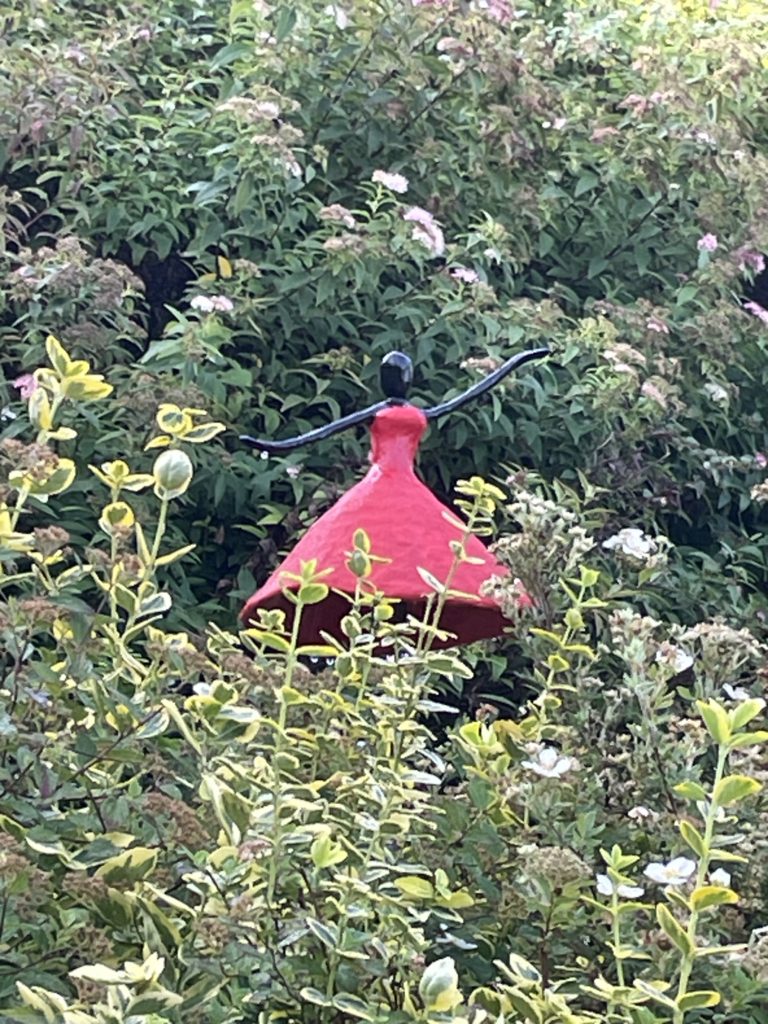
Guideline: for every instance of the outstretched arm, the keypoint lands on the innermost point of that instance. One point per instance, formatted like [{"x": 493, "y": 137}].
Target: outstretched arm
[
  {"x": 319, "y": 434},
  {"x": 486, "y": 383}
]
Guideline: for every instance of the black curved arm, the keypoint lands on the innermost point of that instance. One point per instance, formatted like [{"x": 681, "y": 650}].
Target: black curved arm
[
  {"x": 319, "y": 434},
  {"x": 486, "y": 383}
]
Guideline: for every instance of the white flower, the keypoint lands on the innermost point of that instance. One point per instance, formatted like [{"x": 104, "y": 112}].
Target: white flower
[
  {"x": 338, "y": 14},
  {"x": 268, "y": 110},
  {"x": 677, "y": 872},
  {"x": 211, "y": 303},
  {"x": 720, "y": 877},
  {"x": 716, "y": 392},
  {"x": 638, "y": 812},
  {"x": 394, "y": 182},
  {"x": 675, "y": 657},
  {"x": 550, "y": 763},
  {"x": 426, "y": 230},
  {"x": 736, "y": 692},
  {"x": 606, "y": 888},
  {"x": 464, "y": 274},
  {"x": 633, "y": 542}
]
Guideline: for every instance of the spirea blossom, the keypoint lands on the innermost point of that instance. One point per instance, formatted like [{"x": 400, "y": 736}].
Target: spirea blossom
[
  {"x": 757, "y": 310},
  {"x": 707, "y": 243},
  {"x": 394, "y": 182},
  {"x": 26, "y": 385},
  {"x": 212, "y": 304},
  {"x": 655, "y": 324},
  {"x": 751, "y": 260},
  {"x": 632, "y": 542},
  {"x": 464, "y": 274},
  {"x": 426, "y": 230}
]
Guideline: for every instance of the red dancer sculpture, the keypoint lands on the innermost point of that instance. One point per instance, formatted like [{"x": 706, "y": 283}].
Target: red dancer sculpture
[{"x": 405, "y": 522}]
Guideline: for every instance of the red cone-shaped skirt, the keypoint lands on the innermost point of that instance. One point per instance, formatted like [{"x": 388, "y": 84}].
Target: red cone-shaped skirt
[{"x": 407, "y": 526}]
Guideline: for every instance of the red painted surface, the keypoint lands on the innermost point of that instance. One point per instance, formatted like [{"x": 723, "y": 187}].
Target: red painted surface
[{"x": 406, "y": 525}]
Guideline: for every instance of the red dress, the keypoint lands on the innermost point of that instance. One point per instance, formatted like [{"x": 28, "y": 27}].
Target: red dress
[{"x": 407, "y": 526}]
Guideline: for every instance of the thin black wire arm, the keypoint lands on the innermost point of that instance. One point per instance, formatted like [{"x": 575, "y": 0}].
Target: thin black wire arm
[
  {"x": 486, "y": 383},
  {"x": 396, "y": 376},
  {"x": 318, "y": 434}
]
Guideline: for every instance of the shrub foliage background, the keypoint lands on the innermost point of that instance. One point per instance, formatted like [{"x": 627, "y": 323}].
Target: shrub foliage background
[{"x": 227, "y": 214}]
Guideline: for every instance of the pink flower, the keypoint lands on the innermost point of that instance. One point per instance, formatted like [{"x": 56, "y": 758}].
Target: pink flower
[
  {"x": 394, "y": 182},
  {"x": 500, "y": 10},
  {"x": 426, "y": 230},
  {"x": 707, "y": 243},
  {"x": 26, "y": 385},
  {"x": 464, "y": 274},
  {"x": 757, "y": 310},
  {"x": 751, "y": 260},
  {"x": 222, "y": 304},
  {"x": 654, "y": 324},
  {"x": 761, "y": 461}
]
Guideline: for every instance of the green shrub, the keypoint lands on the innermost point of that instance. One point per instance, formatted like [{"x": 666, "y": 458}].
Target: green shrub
[
  {"x": 197, "y": 828},
  {"x": 228, "y": 213}
]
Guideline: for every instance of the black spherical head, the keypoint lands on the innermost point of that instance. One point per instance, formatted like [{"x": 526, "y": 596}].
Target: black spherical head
[{"x": 396, "y": 375}]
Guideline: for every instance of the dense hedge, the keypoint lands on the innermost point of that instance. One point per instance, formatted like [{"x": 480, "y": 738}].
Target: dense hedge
[{"x": 227, "y": 213}]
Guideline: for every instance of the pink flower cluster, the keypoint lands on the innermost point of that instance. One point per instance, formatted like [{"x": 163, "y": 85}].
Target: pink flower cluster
[
  {"x": 426, "y": 230},
  {"x": 26, "y": 385},
  {"x": 751, "y": 260},
  {"x": 757, "y": 310},
  {"x": 707, "y": 243}
]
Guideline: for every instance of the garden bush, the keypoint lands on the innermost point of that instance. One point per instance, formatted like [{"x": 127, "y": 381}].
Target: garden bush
[{"x": 217, "y": 219}]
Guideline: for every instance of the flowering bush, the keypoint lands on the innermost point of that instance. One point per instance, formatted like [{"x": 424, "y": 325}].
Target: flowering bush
[
  {"x": 227, "y": 214},
  {"x": 196, "y": 827}
]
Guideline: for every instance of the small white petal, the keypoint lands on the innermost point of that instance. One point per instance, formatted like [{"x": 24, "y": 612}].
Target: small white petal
[
  {"x": 630, "y": 892},
  {"x": 604, "y": 885}
]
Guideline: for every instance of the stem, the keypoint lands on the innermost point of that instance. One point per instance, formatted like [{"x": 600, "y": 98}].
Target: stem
[
  {"x": 277, "y": 789},
  {"x": 617, "y": 937},
  {"x": 686, "y": 965}
]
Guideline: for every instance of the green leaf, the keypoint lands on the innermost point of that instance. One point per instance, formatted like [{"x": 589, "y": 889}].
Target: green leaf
[
  {"x": 698, "y": 1000},
  {"x": 415, "y": 888},
  {"x": 57, "y": 356},
  {"x": 716, "y": 719},
  {"x": 693, "y": 837},
  {"x": 673, "y": 929},
  {"x": 325, "y": 852},
  {"x": 312, "y": 995},
  {"x": 712, "y": 896},
  {"x": 353, "y": 1006},
  {"x": 174, "y": 556},
  {"x": 130, "y": 866},
  {"x": 690, "y": 790},
  {"x": 99, "y": 974},
  {"x": 733, "y": 788},
  {"x": 312, "y": 593},
  {"x": 178, "y": 719},
  {"x": 327, "y": 934},
  {"x": 748, "y": 739},
  {"x": 202, "y": 433},
  {"x": 746, "y": 712}
]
